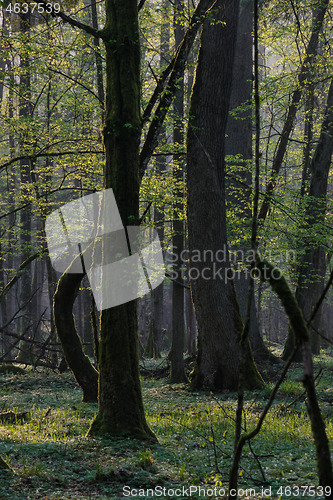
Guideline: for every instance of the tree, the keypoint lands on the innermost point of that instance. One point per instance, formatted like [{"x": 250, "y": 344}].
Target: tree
[
  {"x": 217, "y": 313},
  {"x": 120, "y": 406},
  {"x": 239, "y": 182},
  {"x": 311, "y": 268},
  {"x": 68, "y": 283},
  {"x": 176, "y": 355},
  {"x": 25, "y": 113}
]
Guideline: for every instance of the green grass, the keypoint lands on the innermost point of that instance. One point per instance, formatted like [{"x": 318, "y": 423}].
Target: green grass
[{"x": 53, "y": 459}]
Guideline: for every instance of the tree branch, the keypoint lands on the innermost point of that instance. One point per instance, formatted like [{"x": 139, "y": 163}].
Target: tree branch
[
  {"x": 39, "y": 155},
  {"x": 175, "y": 69},
  {"x": 77, "y": 24},
  {"x": 302, "y": 79}
]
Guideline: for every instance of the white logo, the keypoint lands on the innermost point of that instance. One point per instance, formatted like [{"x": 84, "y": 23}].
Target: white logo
[{"x": 87, "y": 236}]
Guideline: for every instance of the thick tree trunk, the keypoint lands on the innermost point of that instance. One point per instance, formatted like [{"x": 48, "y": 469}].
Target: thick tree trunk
[
  {"x": 120, "y": 409},
  {"x": 239, "y": 142},
  {"x": 213, "y": 292}
]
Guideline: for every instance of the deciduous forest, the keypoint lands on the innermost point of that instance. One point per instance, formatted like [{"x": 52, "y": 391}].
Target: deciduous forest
[{"x": 166, "y": 301}]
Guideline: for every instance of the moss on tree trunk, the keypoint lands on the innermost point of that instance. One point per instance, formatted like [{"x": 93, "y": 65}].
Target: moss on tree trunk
[{"x": 121, "y": 409}]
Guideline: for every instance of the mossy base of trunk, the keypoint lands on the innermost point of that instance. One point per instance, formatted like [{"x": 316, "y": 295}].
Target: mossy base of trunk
[
  {"x": 221, "y": 378},
  {"x": 120, "y": 410},
  {"x": 102, "y": 426}
]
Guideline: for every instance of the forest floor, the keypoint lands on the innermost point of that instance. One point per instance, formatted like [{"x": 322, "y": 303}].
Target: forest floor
[{"x": 52, "y": 459}]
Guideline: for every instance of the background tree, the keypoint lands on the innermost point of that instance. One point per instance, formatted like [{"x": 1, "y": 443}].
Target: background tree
[
  {"x": 217, "y": 312},
  {"x": 176, "y": 355}
]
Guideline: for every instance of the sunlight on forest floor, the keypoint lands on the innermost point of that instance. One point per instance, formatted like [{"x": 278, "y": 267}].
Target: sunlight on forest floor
[{"x": 53, "y": 460}]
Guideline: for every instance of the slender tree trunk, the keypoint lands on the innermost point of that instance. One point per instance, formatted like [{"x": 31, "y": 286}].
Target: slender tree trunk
[
  {"x": 176, "y": 355},
  {"x": 311, "y": 269},
  {"x": 304, "y": 75},
  {"x": 83, "y": 371},
  {"x": 120, "y": 409},
  {"x": 302, "y": 341},
  {"x": 215, "y": 302},
  {"x": 98, "y": 58},
  {"x": 157, "y": 295},
  {"x": 25, "y": 111}
]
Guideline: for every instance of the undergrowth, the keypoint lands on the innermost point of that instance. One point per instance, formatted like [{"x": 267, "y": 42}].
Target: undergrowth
[{"x": 52, "y": 458}]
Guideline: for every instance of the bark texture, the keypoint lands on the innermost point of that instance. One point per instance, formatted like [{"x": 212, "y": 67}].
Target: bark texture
[
  {"x": 218, "y": 317},
  {"x": 239, "y": 142},
  {"x": 120, "y": 410}
]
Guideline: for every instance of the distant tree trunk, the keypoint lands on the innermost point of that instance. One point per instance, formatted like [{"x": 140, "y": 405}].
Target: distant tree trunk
[
  {"x": 303, "y": 77},
  {"x": 311, "y": 269},
  {"x": 3, "y": 308},
  {"x": 176, "y": 355},
  {"x": 156, "y": 326},
  {"x": 191, "y": 324},
  {"x": 120, "y": 408},
  {"x": 25, "y": 111},
  {"x": 98, "y": 58},
  {"x": 239, "y": 142},
  {"x": 7, "y": 301},
  {"x": 218, "y": 317}
]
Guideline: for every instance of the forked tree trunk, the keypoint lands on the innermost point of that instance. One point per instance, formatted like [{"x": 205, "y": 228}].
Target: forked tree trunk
[{"x": 214, "y": 297}]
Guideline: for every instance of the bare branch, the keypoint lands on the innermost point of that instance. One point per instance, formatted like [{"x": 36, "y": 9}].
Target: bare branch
[{"x": 85, "y": 27}]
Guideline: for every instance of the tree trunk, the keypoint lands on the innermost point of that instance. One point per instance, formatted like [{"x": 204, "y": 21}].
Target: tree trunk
[
  {"x": 25, "y": 112},
  {"x": 120, "y": 409},
  {"x": 303, "y": 77},
  {"x": 83, "y": 371},
  {"x": 311, "y": 270},
  {"x": 157, "y": 295},
  {"x": 176, "y": 355},
  {"x": 302, "y": 341},
  {"x": 98, "y": 58},
  {"x": 213, "y": 292},
  {"x": 239, "y": 142}
]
